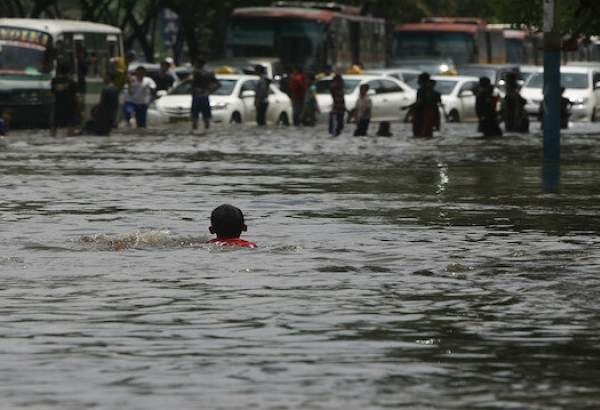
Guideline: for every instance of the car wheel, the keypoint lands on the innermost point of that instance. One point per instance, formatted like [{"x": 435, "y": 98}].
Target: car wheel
[
  {"x": 453, "y": 116},
  {"x": 236, "y": 118},
  {"x": 284, "y": 119}
]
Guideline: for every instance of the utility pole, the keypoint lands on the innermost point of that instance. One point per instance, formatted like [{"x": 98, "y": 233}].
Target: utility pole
[
  {"x": 552, "y": 54},
  {"x": 552, "y": 51}
]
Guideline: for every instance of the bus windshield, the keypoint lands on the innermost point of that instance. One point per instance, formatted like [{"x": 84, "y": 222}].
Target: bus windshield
[
  {"x": 294, "y": 41},
  {"x": 460, "y": 47},
  {"x": 24, "y": 52}
]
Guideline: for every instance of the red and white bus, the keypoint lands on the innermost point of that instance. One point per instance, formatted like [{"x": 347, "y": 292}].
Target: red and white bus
[
  {"x": 464, "y": 40},
  {"x": 307, "y": 34}
]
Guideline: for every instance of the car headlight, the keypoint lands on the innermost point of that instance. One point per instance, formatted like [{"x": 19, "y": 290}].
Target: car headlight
[{"x": 219, "y": 106}]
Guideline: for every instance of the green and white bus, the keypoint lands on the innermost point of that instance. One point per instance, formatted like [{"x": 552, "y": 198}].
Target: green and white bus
[{"x": 29, "y": 49}]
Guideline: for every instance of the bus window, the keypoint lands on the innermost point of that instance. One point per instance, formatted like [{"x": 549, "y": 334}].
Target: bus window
[
  {"x": 294, "y": 41},
  {"x": 460, "y": 47}
]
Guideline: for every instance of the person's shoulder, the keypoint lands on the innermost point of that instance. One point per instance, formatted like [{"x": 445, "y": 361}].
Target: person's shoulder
[{"x": 234, "y": 242}]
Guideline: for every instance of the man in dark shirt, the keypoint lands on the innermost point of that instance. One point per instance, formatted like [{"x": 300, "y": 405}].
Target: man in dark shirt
[
  {"x": 203, "y": 84},
  {"x": 66, "y": 103},
  {"x": 164, "y": 80},
  {"x": 104, "y": 114},
  {"x": 261, "y": 98}
]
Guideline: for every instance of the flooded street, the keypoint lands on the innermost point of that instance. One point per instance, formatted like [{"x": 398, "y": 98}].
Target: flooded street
[{"x": 390, "y": 273}]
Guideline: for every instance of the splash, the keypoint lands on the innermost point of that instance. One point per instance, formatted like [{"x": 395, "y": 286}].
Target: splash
[{"x": 140, "y": 240}]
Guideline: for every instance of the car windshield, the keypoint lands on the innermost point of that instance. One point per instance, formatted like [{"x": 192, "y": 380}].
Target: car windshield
[
  {"x": 185, "y": 88},
  {"x": 445, "y": 87},
  {"x": 324, "y": 86},
  {"x": 24, "y": 52},
  {"x": 577, "y": 81}
]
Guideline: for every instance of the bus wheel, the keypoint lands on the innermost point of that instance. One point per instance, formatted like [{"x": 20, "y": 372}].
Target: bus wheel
[
  {"x": 236, "y": 118},
  {"x": 453, "y": 116},
  {"x": 284, "y": 119}
]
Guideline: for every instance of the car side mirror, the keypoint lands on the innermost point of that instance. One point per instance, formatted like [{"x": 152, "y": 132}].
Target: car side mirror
[
  {"x": 467, "y": 93},
  {"x": 248, "y": 93},
  {"x": 161, "y": 93}
]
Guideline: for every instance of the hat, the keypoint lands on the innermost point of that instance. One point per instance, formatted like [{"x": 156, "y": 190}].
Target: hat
[{"x": 169, "y": 60}]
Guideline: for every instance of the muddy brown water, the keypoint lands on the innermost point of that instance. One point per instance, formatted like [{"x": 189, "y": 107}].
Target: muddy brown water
[{"x": 390, "y": 273}]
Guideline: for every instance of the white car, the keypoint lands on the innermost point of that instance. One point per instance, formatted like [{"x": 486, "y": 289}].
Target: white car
[
  {"x": 387, "y": 94},
  {"x": 581, "y": 87},
  {"x": 233, "y": 102},
  {"x": 458, "y": 96},
  {"x": 403, "y": 74}
]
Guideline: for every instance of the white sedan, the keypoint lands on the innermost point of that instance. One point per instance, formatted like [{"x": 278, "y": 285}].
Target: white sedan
[
  {"x": 233, "y": 102},
  {"x": 458, "y": 96},
  {"x": 387, "y": 94},
  {"x": 581, "y": 87}
]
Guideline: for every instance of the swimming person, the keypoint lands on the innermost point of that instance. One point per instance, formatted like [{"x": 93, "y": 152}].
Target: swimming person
[{"x": 227, "y": 222}]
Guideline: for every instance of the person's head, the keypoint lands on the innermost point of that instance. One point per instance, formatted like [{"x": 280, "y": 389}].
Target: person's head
[
  {"x": 227, "y": 221},
  {"x": 109, "y": 78},
  {"x": 260, "y": 70},
  {"x": 338, "y": 80},
  {"x": 130, "y": 56},
  {"x": 364, "y": 89},
  {"x": 170, "y": 61},
  {"x": 423, "y": 79},
  {"x": 200, "y": 62},
  {"x": 511, "y": 80},
  {"x": 140, "y": 73},
  {"x": 384, "y": 129},
  {"x": 485, "y": 82}
]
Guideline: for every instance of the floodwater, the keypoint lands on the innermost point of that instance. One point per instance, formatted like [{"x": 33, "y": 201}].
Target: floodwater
[{"x": 390, "y": 273}]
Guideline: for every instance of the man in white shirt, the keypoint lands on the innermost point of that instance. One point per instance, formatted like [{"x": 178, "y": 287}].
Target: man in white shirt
[{"x": 139, "y": 95}]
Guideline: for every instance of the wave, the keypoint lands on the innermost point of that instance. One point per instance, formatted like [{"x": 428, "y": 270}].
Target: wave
[{"x": 162, "y": 239}]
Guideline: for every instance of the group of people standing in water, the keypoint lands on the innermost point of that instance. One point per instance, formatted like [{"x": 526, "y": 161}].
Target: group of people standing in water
[{"x": 425, "y": 112}]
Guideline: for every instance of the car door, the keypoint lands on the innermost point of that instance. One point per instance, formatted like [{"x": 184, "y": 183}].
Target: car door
[
  {"x": 395, "y": 97},
  {"x": 276, "y": 105},
  {"x": 466, "y": 96},
  {"x": 249, "y": 113},
  {"x": 376, "y": 95}
]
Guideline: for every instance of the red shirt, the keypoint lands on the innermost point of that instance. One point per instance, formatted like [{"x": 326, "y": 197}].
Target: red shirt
[
  {"x": 233, "y": 242},
  {"x": 298, "y": 87}
]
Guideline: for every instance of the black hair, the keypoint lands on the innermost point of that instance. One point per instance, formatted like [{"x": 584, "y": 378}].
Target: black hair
[{"x": 227, "y": 221}]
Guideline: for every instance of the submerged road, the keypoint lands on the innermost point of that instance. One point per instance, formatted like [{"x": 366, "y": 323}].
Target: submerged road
[{"x": 390, "y": 273}]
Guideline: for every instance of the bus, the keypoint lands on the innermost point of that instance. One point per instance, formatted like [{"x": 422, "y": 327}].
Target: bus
[
  {"x": 29, "y": 49},
  {"x": 309, "y": 35},
  {"x": 462, "y": 39},
  {"x": 523, "y": 46}
]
